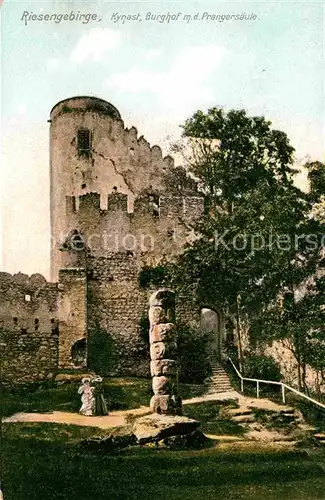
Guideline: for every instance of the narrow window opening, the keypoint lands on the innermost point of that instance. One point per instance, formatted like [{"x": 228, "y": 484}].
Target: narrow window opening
[
  {"x": 15, "y": 320},
  {"x": 55, "y": 330},
  {"x": 84, "y": 142},
  {"x": 75, "y": 204}
]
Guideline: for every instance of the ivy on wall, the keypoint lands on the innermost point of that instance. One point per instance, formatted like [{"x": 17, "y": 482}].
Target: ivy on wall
[{"x": 153, "y": 276}]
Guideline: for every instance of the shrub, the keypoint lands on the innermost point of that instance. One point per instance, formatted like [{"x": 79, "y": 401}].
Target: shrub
[
  {"x": 101, "y": 352},
  {"x": 192, "y": 354},
  {"x": 262, "y": 367},
  {"x": 232, "y": 352},
  {"x": 150, "y": 276}
]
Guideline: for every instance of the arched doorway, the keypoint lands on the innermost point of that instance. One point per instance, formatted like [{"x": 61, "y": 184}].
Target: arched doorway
[{"x": 210, "y": 323}]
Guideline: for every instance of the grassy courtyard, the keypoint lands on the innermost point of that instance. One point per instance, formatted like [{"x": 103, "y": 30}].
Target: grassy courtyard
[
  {"x": 120, "y": 393},
  {"x": 208, "y": 413},
  {"x": 44, "y": 460}
]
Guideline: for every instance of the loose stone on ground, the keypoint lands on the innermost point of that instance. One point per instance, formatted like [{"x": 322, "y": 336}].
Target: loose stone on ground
[{"x": 157, "y": 427}]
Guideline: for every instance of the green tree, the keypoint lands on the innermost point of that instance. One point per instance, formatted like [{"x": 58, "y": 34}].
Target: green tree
[
  {"x": 229, "y": 153},
  {"x": 244, "y": 167},
  {"x": 297, "y": 320},
  {"x": 316, "y": 177},
  {"x": 252, "y": 241}
]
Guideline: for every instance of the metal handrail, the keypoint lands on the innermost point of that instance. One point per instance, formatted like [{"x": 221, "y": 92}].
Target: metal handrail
[{"x": 272, "y": 382}]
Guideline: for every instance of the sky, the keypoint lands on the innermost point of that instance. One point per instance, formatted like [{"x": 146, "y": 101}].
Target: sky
[{"x": 157, "y": 71}]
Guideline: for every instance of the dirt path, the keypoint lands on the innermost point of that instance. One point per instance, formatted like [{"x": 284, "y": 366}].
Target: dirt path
[
  {"x": 218, "y": 396},
  {"x": 114, "y": 419},
  {"x": 119, "y": 418}
]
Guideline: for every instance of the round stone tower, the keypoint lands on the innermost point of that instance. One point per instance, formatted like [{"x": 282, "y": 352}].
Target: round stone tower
[
  {"x": 100, "y": 172},
  {"x": 83, "y": 132}
]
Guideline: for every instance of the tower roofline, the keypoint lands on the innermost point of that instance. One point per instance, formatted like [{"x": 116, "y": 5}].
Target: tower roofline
[{"x": 91, "y": 103}]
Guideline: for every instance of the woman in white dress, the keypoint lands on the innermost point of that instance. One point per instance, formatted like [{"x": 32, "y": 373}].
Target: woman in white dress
[{"x": 87, "y": 397}]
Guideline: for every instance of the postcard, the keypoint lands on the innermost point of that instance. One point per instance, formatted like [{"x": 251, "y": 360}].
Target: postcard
[{"x": 162, "y": 249}]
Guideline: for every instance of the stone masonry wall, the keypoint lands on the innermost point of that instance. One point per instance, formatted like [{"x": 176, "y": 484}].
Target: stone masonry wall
[
  {"x": 119, "y": 307},
  {"x": 72, "y": 315},
  {"x": 281, "y": 352},
  {"x": 28, "y": 327},
  {"x": 41, "y": 321},
  {"x": 152, "y": 230},
  {"x": 28, "y": 356},
  {"x": 116, "y": 305}
]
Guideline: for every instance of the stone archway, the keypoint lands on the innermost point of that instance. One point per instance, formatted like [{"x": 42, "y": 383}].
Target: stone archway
[{"x": 210, "y": 323}]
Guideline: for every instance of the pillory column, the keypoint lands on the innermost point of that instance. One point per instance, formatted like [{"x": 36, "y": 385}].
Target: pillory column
[{"x": 163, "y": 347}]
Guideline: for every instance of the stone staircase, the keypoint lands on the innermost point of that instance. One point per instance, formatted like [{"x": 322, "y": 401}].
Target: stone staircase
[
  {"x": 320, "y": 437},
  {"x": 219, "y": 380},
  {"x": 283, "y": 416},
  {"x": 264, "y": 420}
]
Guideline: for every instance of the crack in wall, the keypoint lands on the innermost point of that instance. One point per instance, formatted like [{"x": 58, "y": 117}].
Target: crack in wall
[{"x": 116, "y": 170}]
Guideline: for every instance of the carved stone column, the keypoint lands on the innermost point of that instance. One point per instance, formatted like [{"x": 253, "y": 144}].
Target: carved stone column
[{"x": 163, "y": 347}]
